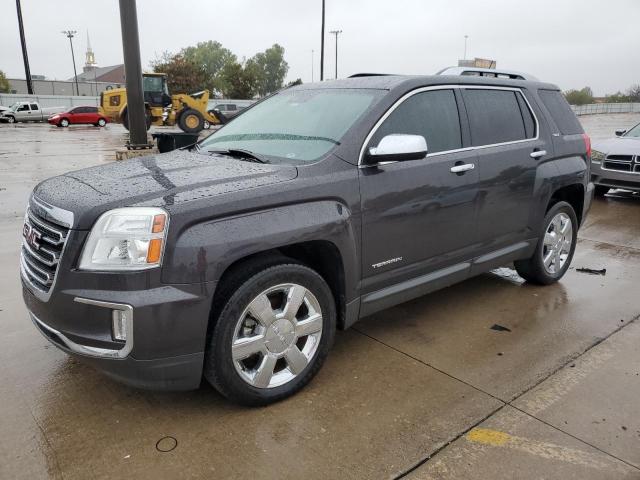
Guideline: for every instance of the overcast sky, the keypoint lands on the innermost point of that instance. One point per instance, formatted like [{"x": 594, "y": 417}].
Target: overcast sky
[{"x": 572, "y": 43}]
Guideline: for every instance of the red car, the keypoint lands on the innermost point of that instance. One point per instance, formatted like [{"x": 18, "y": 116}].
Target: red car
[{"x": 78, "y": 115}]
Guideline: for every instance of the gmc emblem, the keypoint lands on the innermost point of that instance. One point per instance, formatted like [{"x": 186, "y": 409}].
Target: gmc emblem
[{"x": 31, "y": 236}]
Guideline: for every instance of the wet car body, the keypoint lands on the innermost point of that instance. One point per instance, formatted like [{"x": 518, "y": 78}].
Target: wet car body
[{"x": 353, "y": 223}]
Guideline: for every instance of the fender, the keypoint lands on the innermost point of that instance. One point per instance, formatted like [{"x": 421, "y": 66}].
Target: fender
[{"x": 202, "y": 252}]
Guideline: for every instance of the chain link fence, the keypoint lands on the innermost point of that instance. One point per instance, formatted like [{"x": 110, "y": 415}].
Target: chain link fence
[
  {"x": 600, "y": 108},
  {"x": 49, "y": 101}
]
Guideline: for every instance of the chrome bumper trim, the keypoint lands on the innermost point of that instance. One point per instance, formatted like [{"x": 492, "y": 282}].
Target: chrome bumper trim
[{"x": 85, "y": 349}]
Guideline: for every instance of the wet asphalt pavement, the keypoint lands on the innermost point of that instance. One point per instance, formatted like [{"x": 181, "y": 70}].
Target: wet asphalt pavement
[{"x": 432, "y": 389}]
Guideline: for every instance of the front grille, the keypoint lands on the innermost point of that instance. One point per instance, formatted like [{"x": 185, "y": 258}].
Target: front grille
[
  {"x": 40, "y": 258},
  {"x": 622, "y": 163}
]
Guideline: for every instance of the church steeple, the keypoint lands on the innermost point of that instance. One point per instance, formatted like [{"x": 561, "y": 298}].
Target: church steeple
[{"x": 90, "y": 59}]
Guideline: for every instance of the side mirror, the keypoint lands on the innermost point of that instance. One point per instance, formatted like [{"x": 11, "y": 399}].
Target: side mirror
[
  {"x": 620, "y": 133},
  {"x": 396, "y": 148}
]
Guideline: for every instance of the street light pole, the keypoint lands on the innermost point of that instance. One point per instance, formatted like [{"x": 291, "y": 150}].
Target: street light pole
[
  {"x": 465, "y": 46},
  {"x": 336, "y": 33},
  {"x": 69, "y": 34},
  {"x": 322, "y": 46},
  {"x": 312, "y": 61},
  {"x": 25, "y": 57}
]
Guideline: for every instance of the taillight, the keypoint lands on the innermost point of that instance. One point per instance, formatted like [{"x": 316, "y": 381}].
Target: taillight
[{"x": 587, "y": 144}]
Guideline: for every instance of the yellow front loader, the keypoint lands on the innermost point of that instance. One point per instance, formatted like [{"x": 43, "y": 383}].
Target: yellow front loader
[{"x": 189, "y": 112}]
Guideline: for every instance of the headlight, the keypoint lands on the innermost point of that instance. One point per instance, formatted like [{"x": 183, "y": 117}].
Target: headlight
[
  {"x": 597, "y": 156},
  {"x": 129, "y": 238}
]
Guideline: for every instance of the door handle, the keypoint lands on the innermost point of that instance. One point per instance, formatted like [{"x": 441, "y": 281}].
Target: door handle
[
  {"x": 538, "y": 153},
  {"x": 462, "y": 168}
]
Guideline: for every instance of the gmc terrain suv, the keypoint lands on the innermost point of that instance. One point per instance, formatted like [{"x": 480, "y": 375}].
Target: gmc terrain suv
[{"x": 236, "y": 261}]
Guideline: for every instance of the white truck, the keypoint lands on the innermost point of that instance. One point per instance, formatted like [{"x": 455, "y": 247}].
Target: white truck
[{"x": 28, "y": 112}]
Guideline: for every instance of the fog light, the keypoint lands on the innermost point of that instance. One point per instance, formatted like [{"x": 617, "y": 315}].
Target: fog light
[{"x": 119, "y": 325}]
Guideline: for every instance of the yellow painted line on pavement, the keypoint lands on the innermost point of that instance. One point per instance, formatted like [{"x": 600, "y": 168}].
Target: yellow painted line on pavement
[
  {"x": 489, "y": 437},
  {"x": 546, "y": 450}
]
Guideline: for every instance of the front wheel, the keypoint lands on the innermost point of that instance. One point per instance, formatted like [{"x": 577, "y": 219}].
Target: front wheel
[
  {"x": 555, "y": 248},
  {"x": 272, "y": 335},
  {"x": 11, "y": 120},
  {"x": 191, "y": 121},
  {"x": 64, "y": 123}
]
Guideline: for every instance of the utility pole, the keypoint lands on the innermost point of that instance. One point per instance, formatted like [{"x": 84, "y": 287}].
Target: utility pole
[
  {"x": 322, "y": 46},
  {"x": 133, "y": 72},
  {"x": 25, "y": 57},
  {"x": 69, "y": 34},
  {"x": 465, "y": 47},
  {"x": 312, "y": 60},
  {"x": 336, "y": 33}
]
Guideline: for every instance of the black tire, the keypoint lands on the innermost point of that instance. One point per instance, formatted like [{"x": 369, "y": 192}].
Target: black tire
[
  {"x": 190, "y": 121},
  {"x": 533, "y": 269},
  {"x": 64, "y": 123},
  {"x": 600, "y": 190},
  {"x": 101, "y": 122},
  {"x": 219, "y": 368},
  {"x": 11, "y": 119},
  {"x": 125, "y": 119}
]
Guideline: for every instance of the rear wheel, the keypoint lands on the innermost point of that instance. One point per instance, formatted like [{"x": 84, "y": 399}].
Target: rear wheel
[
  {"x": 64, "y": 122},
  {"x": 555, "y": 247},
  {"x": 125, "y": 119},
  {"x": 272, "y": 335},
  {"x": 601, "y": 190},
  {"x": 102, "y": 122},
  {"x": 191, "y": 121}
]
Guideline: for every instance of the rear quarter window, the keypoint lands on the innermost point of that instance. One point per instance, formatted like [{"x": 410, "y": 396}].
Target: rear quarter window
[
  {"x": 495, "y": 117},
  {"x": 561, "y": 112}
]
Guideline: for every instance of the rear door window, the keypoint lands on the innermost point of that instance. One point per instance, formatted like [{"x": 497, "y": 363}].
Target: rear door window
[
  {"x": 432, "y": 114},
  {"x": 561, "y": 112},
  {"x": 495, "y": 116},
  {"x": 34, "y": 106}
]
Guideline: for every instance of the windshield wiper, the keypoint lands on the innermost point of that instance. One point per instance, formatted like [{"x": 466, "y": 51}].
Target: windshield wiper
[{"x": 242, "y": 154}]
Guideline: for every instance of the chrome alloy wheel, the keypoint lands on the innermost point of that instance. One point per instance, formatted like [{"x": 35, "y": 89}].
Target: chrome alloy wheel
[
  {"x": 557, "y": 243},
  {"x": 277, "y": 335}
]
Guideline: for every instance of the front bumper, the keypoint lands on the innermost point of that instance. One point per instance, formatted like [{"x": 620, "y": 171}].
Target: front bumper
[
  {"x": 613, "y": 178},
  {"x": 165, "y": 335}
]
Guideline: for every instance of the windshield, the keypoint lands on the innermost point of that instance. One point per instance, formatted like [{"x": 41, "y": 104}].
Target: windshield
[
  {"x": 299, "y": 125},
  {"x": 14, "y": 107},
  {"x": 634, "y": 132},
  {"x": 152, "y": 83}
]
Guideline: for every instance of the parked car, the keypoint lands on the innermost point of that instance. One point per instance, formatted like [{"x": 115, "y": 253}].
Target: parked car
[
  {"x": 27, "y": 112},
  {"x": 77, "y": 116},
  {"x": 320, "y": 205},
  {"x": 615, "y": 163}
]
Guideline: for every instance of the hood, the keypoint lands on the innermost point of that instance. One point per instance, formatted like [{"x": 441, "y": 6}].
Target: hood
[
  {"x": 618, "y": 146},
  {"x": 155, "y": 180}
]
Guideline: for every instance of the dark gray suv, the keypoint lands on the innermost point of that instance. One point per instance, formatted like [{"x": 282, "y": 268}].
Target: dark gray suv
[{"x": 236, "y": 261}]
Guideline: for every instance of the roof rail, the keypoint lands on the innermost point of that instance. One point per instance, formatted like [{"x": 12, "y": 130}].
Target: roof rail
[
  {"x": 486, "y": 72},
  {"x": 358, "y": 75}
]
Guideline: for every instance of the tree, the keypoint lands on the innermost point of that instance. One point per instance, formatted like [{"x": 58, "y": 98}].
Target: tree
[
  {"x": 239, "y": 81},
  {"x": 579, "y": 97},
  {"x": 4, "y": 83},
  {"x": 272, "y": 69},
  {"x": 617, "y": 97},
  {"x": 634, "y": 93},
  {"x": 183, "y": 76},
  {"x": 211, "y": 56}
]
